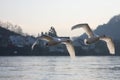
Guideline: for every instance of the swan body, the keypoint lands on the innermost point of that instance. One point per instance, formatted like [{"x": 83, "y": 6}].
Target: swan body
[
  {"x": 52, "y": 41},
  {"x": 90, "y": 40}
]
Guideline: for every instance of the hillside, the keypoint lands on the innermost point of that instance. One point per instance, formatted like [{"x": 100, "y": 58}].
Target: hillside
[
  {"x": 6, "y": 32},
  {"x": 112, "y": 28},
  {"x": 12, "y": 42}
]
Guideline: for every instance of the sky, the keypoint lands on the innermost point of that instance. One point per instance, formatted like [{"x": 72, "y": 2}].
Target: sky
[{"x": 36, "y": 16}]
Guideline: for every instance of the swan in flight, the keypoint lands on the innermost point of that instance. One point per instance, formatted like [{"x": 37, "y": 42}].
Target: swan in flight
[
  {"x": 51, "y": 41},
  {"x": 93, "y": 38}
]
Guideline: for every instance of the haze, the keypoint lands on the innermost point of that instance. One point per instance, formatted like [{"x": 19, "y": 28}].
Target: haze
[{"x": 35, "y": 16}]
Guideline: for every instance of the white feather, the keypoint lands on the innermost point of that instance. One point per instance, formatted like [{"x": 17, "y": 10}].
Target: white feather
[
  {"x": 94, "y": 38},
  {"x": 109, "y": 43},
  {"x": 86, "y": 28},
  {"x": 34, "y": 44},
  {"x": 56, "y": 40},
  {"x": 70, "y": 49}
]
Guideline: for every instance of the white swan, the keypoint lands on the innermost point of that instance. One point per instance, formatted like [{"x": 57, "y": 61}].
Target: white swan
[
  {"x": 93, "y": 38},
  {"x": 51, "y": 41}
]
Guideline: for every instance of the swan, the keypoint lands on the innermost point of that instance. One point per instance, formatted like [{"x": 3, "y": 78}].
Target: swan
[
  {"x": 52, "y": 41},
  {"x": 92, "y": 38}
]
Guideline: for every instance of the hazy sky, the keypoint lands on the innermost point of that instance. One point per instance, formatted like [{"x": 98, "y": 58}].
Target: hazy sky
[{"x": 35, "y": 16}]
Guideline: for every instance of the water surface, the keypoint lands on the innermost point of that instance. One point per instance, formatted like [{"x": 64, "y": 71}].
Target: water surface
[{"x": 60, "y": 68}]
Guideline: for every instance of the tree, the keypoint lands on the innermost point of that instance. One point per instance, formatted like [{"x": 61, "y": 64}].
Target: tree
[
  {"x": 52, "y": 32},
  {"x": 18, "y": 29}
]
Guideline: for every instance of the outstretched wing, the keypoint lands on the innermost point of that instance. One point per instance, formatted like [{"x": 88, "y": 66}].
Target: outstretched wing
[
  {"x": 70, "y": 49},
  {"x": 35, "y": 43},
  {"x": 86, "y": 27},
  {"x": 110, "y": 44},
  {"x": 46, "y": 38}
]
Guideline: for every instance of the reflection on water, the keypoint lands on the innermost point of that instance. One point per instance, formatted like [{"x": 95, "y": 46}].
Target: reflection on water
[{"x": 60, "y": 68}]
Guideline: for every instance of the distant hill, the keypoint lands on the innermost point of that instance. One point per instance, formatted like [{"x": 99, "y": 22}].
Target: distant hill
[
  {"x": 112, "y": 28},
  {"x": 4, "y": 36},
  {"x": 4, "y": 32}
]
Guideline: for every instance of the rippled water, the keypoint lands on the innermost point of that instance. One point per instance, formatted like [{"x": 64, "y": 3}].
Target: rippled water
[{"x": 60, "y": 68}]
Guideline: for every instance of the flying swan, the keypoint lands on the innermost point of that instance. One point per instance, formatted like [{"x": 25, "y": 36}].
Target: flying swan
[
  {"x": 52, "y": 41},
  {"x": 93, "y": 38}
]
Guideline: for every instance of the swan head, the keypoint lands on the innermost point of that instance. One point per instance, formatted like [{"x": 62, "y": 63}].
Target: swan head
[{"x": 86, "y": 42}]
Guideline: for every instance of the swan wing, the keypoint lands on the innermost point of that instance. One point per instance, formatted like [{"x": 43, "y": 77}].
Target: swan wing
[
  {"x": 110, "y": 44},
  {"x": 86, "y": 27},
  {"x": 70, "y": 49},
  {"x": 34, "y": 44},
  {"x": 46, "y": 38}
]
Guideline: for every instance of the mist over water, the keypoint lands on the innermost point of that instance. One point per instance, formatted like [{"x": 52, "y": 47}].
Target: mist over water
[{"x": 60, "y": 68}]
